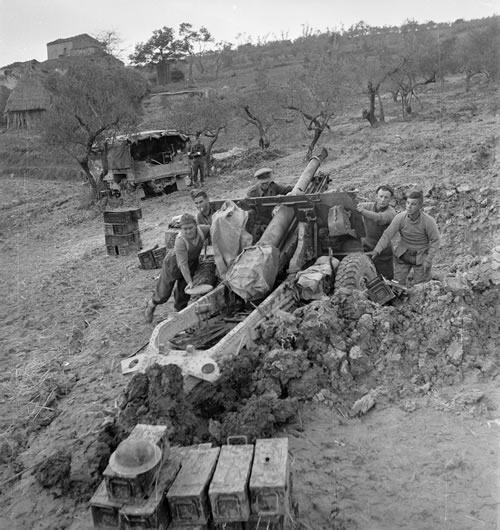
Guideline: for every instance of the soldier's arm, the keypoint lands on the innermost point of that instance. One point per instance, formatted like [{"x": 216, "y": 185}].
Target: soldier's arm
[
  {"x": 388, "y": 234},
  {"x": 434, "y": 238},
  {"x": 181, "y": 255}
]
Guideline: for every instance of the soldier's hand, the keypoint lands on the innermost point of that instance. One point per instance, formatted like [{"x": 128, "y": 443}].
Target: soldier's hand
[
  {"x": 189, "y": 286},
  {"x": 374, "y": 255}
]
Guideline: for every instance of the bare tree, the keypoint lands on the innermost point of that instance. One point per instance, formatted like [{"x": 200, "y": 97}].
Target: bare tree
[
  {"x": 90, "y": 101},
  {"x": 203, "y": 115},
  {"x": 479, "y": 52},
  {"x": 318, "y": 93},
  {"x": 111, "y": 42},
  {"x": 194, "y": 44},
  {"x": 258, "y": 107}
]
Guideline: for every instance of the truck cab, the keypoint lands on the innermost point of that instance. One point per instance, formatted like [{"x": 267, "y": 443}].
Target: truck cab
[{"x": 154, "y": 161}]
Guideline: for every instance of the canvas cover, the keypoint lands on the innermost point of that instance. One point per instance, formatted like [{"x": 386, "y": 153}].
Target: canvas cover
[
  {"x": 228, "y": 235},
  {"x": 339, "y": 221},
  {"x": 254, "y": 272},
  {"x": 311, "y": 282},
  {"x": 119, "y": 156}
]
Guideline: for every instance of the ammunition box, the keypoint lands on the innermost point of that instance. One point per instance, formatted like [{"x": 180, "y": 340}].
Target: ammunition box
[
  {"x": 147, "y": 259},
  {"x": 188, "y": 496},
  {"x": 159, "y": 255},
  {"x": 156, "y": 434},
  {"x": 228, "y": 490},
  {"x": 152, "y": 513},
  {"x": 122, "y": 215},
  {"x": 105, "y": 512},
  {"x": 124, "y": 240},
  {"x": 130, "y": 489},
  {"x": 270, "y": 478},
  {"x": 111, "y": 229},
  {"x": 114, "y": 250}
]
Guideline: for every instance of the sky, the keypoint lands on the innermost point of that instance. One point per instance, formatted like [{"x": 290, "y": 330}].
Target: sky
[{"x": 26, "y": 26}]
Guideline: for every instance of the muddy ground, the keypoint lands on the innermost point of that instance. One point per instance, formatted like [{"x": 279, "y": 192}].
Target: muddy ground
[{"x": 392, "y": 412}]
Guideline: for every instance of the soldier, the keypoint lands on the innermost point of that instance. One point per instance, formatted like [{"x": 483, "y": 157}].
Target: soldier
[
  {"x": 266, "y": 187},
  {"x": 419, "y": 241},
  {"x": 179, "y": 266},
  {"x": 377, "y": 216},
  {"x": 197, "y": 156},
  {"x": 205, "y": 209}
]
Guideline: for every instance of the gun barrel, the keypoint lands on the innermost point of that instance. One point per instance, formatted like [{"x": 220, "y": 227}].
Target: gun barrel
[{"x": 280, "y": 223}]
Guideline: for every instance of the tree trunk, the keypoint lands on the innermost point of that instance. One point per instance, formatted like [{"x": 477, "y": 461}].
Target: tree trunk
[
  {"x": 381, "y": 107},
  {"x": 370, "y": 114},
  {"x": 163, "y": 72},
  {"x": 208, "y": 156},
  {"x": 314, "y": 141}
]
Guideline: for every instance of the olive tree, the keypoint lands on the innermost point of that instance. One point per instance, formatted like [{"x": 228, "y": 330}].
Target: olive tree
[
  {"x": 479, "y": 52},
  {"x": 90, "y": 101},
  {"x": 162, "y": 49},
  {"x": 258, "y": 107},
  {"x": 318, "y": 92},
  {"x": 203, "y": 115}
]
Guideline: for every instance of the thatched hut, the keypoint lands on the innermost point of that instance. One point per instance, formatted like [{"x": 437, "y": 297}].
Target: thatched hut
[{"x": 27, "y": 102}]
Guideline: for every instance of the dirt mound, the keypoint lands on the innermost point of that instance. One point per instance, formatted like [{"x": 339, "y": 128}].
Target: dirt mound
[
  {"x": 157, "y": 397},
  {"x": 351, "y": 346},
  {"x": 249, "y": 159}
]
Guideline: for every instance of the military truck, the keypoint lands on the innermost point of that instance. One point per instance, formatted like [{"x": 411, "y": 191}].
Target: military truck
[{"x": 153, "y": 161}]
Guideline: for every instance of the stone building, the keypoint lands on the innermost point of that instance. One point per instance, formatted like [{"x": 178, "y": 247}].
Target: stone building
[{"x": 73, "y": 46}]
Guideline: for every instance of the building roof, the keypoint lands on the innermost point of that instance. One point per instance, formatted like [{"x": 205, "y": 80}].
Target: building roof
[
  {"x": 29, "y": 94},
  {"x": 79, "y": 41}
]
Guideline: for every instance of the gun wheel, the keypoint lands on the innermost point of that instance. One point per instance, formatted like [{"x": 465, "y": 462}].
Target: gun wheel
[{"x": 354, "y": 272}]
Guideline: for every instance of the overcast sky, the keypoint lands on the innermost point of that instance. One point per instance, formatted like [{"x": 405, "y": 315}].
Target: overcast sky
[{"x": 27, "y": 25}]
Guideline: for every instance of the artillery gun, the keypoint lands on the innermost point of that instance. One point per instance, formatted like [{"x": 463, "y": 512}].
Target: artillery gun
[{"x": 307, "y": 223}]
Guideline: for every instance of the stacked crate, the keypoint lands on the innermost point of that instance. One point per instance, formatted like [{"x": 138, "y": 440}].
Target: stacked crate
[
  {"x": 129, "y": 503},
  {"x": 152, "y": 258},
  {"x": 121, "y": 228}
]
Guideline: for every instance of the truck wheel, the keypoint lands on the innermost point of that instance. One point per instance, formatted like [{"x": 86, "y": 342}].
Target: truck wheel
[{"x": 354, "y": 272}]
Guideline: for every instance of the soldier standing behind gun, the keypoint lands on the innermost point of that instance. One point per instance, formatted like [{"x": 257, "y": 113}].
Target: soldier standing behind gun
[
  {"x": 419, "y": 241},
  {"x": 197, "y": 156},
  {"x": 377, "y": 216}
]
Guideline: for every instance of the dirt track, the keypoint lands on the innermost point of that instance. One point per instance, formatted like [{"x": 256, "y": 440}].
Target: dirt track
[{"x": 423, "y": 457}]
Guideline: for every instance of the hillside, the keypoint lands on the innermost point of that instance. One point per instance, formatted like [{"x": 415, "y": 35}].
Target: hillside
[{"x": 424, "y": 457}]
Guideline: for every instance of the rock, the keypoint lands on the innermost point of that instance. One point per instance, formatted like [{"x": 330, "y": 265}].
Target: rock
[
  {"x": 363, "y": 405},
  {"x": 455, "y": 353}
]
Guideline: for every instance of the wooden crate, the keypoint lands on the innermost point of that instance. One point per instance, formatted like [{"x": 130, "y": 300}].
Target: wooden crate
[
  {"x": 152, "y": 513},
  {"x": 156, "y": 434},
  {"x": 122, "y": 215},
  {"x": 188, "y": 496},
  {"x": 105, "y": 512},
  {"x": 270, "y": 478},
  {"x": 147, "y": 259},
  {"x": 228, "y": 490},
  {"x": 124, "y": 240},
  {"x": 116, "y": 250},
  {"x": 159, "y": 255},
  {"x": 118, "y": 229}
]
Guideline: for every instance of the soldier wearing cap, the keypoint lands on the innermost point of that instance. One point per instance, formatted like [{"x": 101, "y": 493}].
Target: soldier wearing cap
[
  {"x": 179, "y": 266},
  {"x": 377, "y": 216},
  {"x": 266, "y": 187},
  {"x": 419, "y": 241}
]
